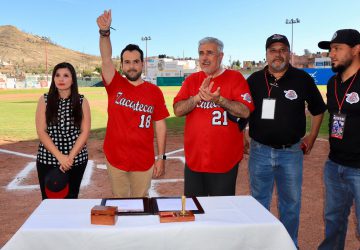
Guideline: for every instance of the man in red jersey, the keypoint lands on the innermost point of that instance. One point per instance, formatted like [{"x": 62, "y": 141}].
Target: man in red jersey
[
  {"x": 213, "y": 144},
  {"x": 133, "y": 106}
]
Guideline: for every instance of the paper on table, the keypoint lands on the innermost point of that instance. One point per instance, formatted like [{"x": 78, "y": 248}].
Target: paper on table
[
  {"x": 127, "y": 205},
  {"x": 174, "y": 204}
]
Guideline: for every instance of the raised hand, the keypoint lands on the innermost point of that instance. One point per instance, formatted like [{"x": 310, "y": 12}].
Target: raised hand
[
  {"x": 205, "y": 90},
  {"x": 104, "y": 20}
]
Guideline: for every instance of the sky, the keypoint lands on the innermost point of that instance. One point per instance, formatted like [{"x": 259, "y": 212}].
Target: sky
[{"x": 175, "y": 27}]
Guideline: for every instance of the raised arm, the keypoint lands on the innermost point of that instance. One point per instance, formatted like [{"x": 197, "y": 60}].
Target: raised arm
[{"x": 108, "y": 68}]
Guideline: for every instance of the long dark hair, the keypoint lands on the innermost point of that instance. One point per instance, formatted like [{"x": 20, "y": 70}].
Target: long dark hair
[{"x": 53, "y": 98}]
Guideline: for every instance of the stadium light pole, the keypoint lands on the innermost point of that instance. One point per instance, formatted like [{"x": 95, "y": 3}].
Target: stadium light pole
[
  {"x": 292, "y": 21},
  {"x": 146, "y": 39}
]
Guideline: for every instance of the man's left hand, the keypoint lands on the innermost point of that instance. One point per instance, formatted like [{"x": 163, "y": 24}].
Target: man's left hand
[{"x": 309, "y": 143}]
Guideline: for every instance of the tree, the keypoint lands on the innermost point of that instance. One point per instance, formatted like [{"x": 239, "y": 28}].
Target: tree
[
  {"x": 235, "y": 64},
  {"x": 86, "y": 73},
  {"x": 98, "y": 69}
]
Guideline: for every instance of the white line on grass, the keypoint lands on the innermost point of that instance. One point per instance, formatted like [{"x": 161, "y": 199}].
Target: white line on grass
[
  {"x": 154, "y": 183},
  {"x": 88, "y": 172},
  {"x": 17, "y": 153},
  {"x": 15, "y": 184},
  {"x": 175, "y": 151},
  {"x": 101, "y": 166}
]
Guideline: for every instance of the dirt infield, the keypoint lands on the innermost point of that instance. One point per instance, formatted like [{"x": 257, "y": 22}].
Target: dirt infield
[{"x": 19, "y": 202}]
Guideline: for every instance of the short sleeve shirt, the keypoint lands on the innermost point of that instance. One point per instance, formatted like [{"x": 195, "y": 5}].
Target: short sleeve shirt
[
  {"x": 345, "y": 151},
  {"x": 129, "y": 139},
  {"x": 292, "y": 92},
  {"x": 213, "y": 143}
]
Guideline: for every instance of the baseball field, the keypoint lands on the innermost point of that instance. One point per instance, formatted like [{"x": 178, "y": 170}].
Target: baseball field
[{"x": 20, "y": 193}]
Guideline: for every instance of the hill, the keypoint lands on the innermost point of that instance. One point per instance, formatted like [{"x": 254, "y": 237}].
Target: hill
[{"x": 27, "y": 52}]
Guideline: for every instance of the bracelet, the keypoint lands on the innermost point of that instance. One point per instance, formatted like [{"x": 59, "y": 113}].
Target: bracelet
[
  {"x": 161, "y": 157},
  {"x": 104, "y": 33}
]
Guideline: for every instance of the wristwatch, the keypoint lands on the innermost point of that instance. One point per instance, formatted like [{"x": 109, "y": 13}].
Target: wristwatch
[{"x": 161, "y": 157}]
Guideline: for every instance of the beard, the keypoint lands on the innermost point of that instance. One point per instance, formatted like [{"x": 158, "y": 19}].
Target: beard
[
  {"x": 340, "y": 68},
  {"x": 132, "y": 78},
  {"x": 278, "y": 68}
]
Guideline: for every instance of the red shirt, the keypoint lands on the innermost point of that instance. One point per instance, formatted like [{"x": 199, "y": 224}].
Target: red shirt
[
  {"x": 129, "y": 139},
  {"x": 212, "y": 142}
]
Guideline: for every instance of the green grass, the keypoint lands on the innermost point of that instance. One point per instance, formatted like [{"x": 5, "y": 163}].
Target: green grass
[
  {"x": 17, "y": 112},
  {"x": 18, "y": 107}
]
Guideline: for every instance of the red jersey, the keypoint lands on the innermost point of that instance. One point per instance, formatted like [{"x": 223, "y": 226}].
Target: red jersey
[
  {"x": 212, "y": 142},
  {"x": 129, "y": 139}
]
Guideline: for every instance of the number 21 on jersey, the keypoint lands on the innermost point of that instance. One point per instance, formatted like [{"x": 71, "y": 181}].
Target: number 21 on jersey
[{"x": 219, "y": 118}]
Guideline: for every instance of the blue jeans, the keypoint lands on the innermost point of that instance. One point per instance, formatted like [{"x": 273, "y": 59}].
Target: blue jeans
[
  {"x": 342, "y": 186},
  {"x": 284, "y": 167}
]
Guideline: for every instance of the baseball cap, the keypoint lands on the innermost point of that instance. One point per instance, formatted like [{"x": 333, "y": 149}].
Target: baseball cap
[
  {"x": 277, "y": 38},
  {"x": 348, "y": 36},
  {"x": 56, "y": 184}
]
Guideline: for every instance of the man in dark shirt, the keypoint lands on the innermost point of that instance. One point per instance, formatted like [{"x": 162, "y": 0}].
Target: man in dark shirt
[
  {"x": 342, "y": 169},
  {"x": 277, "y": 127}
]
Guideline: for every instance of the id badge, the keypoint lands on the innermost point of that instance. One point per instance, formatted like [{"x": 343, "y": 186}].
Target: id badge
[
  {"x": 268, "y": 108},
  {"x": 338, "y": 126}
]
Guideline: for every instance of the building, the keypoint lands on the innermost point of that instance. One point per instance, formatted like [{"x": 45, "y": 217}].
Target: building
[
  {"x": 323, "y": 62},
  {"x": 169, "y": 71}
]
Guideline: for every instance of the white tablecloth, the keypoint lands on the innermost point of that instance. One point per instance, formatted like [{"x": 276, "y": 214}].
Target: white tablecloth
[{"x": 232, "y": 222}]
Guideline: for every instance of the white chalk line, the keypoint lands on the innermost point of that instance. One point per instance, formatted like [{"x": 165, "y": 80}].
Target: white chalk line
[
  {"x": 16, "y": 183},
  {"x": 175, "y": 151},
  {"x": 17, "y": 153}
]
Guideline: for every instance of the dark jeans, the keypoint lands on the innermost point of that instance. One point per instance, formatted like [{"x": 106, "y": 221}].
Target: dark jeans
[
  {"x": 342, "y": 186},
  {"x": 75, "y": 176},
  {"x": 284, "y": 167},
  {"x": 210, "y": 184}
]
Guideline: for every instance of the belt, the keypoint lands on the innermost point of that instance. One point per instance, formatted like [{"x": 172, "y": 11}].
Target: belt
[{"x": 279, "y": 146}]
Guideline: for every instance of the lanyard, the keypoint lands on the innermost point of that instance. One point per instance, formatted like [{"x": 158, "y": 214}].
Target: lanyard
[
  {"x": 267, "y": 84},
  {"x": 336, "y": 94}
]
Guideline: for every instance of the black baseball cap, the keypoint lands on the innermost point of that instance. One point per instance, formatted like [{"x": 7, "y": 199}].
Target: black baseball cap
[
  {"x": 348, "y": 36},
  {"x": 277, "y": 38},
  {"x": 56, "y": 184}
]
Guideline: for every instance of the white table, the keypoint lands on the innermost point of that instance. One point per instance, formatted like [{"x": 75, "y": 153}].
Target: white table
[{"x": 232, "y": 222}]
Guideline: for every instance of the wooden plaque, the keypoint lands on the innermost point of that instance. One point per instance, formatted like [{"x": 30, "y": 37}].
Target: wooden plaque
[{"x": 176, "y": 216}]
